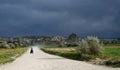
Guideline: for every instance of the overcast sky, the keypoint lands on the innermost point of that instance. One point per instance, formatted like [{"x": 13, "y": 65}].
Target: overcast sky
[{"x": 60, "y": 17}]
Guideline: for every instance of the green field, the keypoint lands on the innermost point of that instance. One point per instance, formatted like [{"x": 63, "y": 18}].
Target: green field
[
  {"x": 8, "y": 55},
  {"x": 112, "y": 52}
]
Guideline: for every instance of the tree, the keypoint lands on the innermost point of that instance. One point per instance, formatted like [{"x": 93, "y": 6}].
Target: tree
[{"x": 73, "y": 40}]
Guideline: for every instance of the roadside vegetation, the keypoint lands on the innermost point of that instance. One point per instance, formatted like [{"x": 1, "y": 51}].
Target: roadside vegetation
[
  {"x": 10, "y": 49},
  {"x": 108, "y": 57},
  {"x": 89, "y": 50},
  {"x": 8, "y": 55}
]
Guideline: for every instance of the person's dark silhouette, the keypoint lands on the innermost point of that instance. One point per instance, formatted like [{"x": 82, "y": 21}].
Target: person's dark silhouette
[{"x": 31, "y": 51}]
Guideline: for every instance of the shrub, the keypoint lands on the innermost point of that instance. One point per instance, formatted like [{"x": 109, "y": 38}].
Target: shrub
[
  {"x": 113, "y": 63},
  {"x": 83, "y": 47},
  {"x": 90, "y": 45},
  {"x": 12, "y": 45},
  {"x": 61, "y": 44},
  {"x": 94, "y": 45},
  {"x": 4, "y": 45}
]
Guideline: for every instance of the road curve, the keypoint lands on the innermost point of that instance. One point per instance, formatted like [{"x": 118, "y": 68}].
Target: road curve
[{"x": 43, "y": 61}]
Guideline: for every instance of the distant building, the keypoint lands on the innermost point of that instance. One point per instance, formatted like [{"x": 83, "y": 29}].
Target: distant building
[
  {"x": 58, "y": 38},
  {"x": 110, "y": 41}
]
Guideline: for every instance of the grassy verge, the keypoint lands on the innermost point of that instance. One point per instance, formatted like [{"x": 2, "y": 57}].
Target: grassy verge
[
  {"x": 8, "y": 55},
  {"x": 67, "y": 54},
  {"x": 109, "y": 57}
]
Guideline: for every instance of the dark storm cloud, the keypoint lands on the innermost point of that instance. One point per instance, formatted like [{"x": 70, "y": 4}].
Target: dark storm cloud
[{"x": 59, "y": 17}]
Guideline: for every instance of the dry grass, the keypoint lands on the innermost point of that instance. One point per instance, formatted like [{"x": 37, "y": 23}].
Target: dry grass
[{"x": 61, "y": 49}]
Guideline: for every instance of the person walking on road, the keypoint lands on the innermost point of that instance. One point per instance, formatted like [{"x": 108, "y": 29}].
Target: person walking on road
[{"x": 31, "y": 51}]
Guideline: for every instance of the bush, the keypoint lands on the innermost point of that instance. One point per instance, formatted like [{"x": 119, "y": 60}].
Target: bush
[
  {"x": 61, "y": 44},
  {"x": 113, "y": 63},
  {"x": 4, "y": 45},
  {"x": 90, "y": 45},
  {"x": 83, "y": 47},
  {"x": 12, "y": 45},
  {"x": 94, "y": 45}
]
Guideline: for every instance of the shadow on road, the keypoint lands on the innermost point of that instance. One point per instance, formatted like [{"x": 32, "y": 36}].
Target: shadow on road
[{"x": 50, "y": 58}]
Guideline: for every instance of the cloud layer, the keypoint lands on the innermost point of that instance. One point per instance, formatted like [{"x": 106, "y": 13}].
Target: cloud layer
[{"x": 60, "y": 17}]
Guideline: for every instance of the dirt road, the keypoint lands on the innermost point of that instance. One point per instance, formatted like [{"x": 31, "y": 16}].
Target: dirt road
[{"x": 43, "y": 61}]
